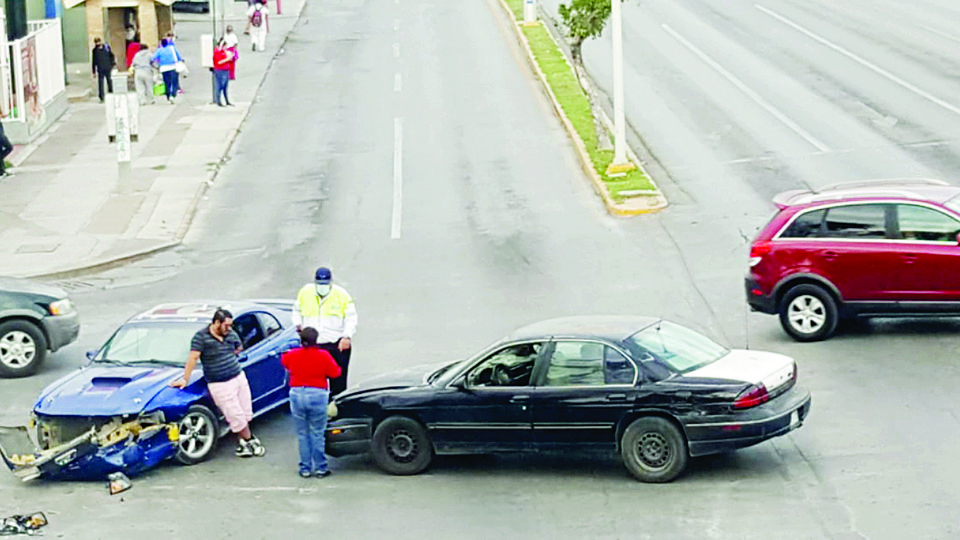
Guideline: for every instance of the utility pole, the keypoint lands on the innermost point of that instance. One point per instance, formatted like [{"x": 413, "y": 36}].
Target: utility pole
[{"x": 620, "y": 164}]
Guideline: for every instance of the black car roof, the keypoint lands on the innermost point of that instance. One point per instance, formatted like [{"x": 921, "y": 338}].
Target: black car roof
[
  {"x": 200, "y": 311},
  {"x": 612, "y": 327}
]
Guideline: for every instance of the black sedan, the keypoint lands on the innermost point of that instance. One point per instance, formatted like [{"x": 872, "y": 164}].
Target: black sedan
[{"x": 656, "y": 392}]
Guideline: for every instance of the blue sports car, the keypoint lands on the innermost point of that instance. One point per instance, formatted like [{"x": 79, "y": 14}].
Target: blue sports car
[{"x": 118, "y": 413}]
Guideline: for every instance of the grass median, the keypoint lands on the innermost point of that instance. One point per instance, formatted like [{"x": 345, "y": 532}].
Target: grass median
[{"x": 563, "y": 82}]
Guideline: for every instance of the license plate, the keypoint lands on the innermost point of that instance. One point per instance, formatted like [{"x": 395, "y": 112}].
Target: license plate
[{"x": 794, "y": 419}]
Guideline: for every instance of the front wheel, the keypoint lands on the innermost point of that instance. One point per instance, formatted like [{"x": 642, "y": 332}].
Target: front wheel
[
  {"x": 808, "y": 313},
  {"x": 22, "y": 348},
  {"x": 199, "y": 431},
  {"x": 654, "y": 450},
  {"x": 401, "y": 446}
]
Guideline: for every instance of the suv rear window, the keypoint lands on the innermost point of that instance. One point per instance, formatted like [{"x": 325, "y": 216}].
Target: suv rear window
[
  {"x": 806, "y": 225},
  {"x": 856, "y": 221}
]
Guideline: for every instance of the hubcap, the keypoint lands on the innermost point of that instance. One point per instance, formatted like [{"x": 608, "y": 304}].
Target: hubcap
[
  {"x": 653, "y": 449},
  {"x": 402, "y": 446},
  {"x": 807, "y": 314},
  {"x": 196, "y": 435},
  {"x": 17, "y": 349}
]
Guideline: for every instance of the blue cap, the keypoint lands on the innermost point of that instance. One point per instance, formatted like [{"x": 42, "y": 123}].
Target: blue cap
[{"x": 323, "y": 275}]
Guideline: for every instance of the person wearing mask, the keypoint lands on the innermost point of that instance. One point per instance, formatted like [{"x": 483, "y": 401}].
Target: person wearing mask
[
  {"x": 258, "y": 17},
  {"x": 102, "y": 62},
  {"x": 310, "y": 369},
  {"x": 166, "y": 57},
  {"x": 233, "y": 42},
  {"x": 216, "y": 347},
  {"x": 222, "y": 60},
  {"x": 143, "y": 74},
  {"x": 329, "y": 309}
]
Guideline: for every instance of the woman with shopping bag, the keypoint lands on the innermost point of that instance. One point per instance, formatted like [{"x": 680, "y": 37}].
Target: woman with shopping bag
[{"x": 170, "y": 63}]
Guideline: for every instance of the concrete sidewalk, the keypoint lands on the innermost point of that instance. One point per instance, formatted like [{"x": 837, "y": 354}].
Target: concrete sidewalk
[{"x": 65, "y": 209}]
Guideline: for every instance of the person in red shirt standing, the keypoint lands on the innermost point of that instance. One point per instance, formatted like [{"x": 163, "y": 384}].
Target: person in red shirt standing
[
  {"x": 222, "y": 62},
  {"x": 310, "y": 367}
]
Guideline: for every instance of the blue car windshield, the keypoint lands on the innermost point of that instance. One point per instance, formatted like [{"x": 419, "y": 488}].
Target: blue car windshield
[
  {"x": 678, "y": 347},
  {"x": 166, "y": 342}
]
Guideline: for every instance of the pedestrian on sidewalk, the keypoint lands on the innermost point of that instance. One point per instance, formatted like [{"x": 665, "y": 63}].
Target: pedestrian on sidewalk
[
  {"x": 5, "y": 148},
  {"x": 310, "y": 368},
  {"x": 143, "y": 74},
  {"x": 102, "y": 62},
  {"x": 222, "y": 61},
  {"x": 216, "y": 347},
  {"x": 258, "y": 16},
  {"x": 232, "y": 45},
  {"x": 166, "y": 58},
  {"x": 330, "y": 310}
]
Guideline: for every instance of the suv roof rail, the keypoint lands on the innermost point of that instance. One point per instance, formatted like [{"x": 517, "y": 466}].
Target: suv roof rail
[
  {"x": 882, "y": 187},
  {"x": 881, "y": 182}
]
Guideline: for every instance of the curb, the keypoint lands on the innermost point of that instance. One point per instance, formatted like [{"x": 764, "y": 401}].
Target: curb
[
  {"x": 624, "y": 209},
  {"x": 191, "y": 211}
]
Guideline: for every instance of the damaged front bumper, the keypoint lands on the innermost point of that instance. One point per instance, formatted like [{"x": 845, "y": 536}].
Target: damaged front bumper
[{"x": 129, "y": 447}]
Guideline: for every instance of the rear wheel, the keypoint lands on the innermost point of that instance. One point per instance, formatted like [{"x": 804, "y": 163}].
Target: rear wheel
[
  {"x": 402, "y": 446},
  {"x": 22, "y": 348},
  {"x": 808, "y": 313},
  {"x": 199, "y": 431},
  {"x": 654, "y": 450}
]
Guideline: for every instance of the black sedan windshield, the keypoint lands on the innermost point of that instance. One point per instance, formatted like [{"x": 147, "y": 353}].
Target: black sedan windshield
[
  {"x": 679, "y": 348},
  {"x": 166, "y": 342}
]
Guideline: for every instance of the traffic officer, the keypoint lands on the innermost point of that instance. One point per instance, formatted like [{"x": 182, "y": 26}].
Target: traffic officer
[{"x": 330, "y": 310}]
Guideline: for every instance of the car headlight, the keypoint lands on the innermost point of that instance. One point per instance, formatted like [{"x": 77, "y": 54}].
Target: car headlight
[{"x": 61, "y": 307}]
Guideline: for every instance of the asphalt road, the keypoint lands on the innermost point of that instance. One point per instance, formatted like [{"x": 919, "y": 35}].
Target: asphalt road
[{"x": 406, "y": 145}]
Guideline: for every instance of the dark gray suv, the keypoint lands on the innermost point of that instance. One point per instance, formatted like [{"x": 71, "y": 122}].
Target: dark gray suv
[{"x": 34, "y": 318}]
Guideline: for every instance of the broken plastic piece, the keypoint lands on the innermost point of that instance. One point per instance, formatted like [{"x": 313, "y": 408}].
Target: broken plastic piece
[
  {"x": 22, "y": 524},
  {"x": 118, "y": 483}
]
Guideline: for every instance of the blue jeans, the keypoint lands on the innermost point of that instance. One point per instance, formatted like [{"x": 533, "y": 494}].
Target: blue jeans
[
  {"x": 222, "y": 78},
  {"x": 309, "y": 408},
  {"x": 171, "y": 79}
]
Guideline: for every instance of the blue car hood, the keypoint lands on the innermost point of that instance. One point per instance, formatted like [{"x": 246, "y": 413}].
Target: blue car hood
[{"x": 105, "y": 390}]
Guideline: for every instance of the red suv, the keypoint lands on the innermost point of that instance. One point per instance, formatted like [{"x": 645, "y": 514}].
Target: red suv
[{"x": 881, "y": 248}]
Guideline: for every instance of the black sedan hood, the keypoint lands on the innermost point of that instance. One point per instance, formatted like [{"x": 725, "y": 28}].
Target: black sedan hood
[{"x": 404, "y": 378}]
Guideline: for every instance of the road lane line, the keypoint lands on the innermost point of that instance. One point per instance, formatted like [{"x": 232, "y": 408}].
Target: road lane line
[
  {"x": 861, "y": 61},
  {"x": 396, "y": 82},
  {"x": 396, "y": 50},
  {"x": 750, "y": 93},
  {"x": 396, "y": 25},
  {"x": 397, "y": 177}
]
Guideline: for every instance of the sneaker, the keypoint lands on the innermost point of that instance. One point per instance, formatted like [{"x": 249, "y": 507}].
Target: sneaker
[
  {"x": 256, "y": 447},
  {"x": 244, "y": 449},
  {"x": 305, "y": 474},
  {"x": 322, "y": 474}
]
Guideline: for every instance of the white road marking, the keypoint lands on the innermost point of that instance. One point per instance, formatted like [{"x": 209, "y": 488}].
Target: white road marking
[
  {"x": 861, "y": 61},
  {"x": 396, "y": 82},
  {"x": 397, "y": 177},
  {"x": 938, "y": 32},
  {"x": 396, "y": 50},
  {"x": 396, "y": 25},
  {"x": 750, "y": 93}
]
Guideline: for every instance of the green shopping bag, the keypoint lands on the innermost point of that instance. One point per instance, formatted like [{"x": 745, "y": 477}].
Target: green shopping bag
[{"x": 159, "y": 89}]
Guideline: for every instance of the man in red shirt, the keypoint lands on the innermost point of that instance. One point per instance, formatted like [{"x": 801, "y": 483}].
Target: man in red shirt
[{"x": 310, "y": 367}]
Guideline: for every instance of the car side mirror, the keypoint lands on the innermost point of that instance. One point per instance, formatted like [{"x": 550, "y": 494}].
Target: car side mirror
[
  {"x": 91, "y": 354},
  {"x": 958, "y": 239}
]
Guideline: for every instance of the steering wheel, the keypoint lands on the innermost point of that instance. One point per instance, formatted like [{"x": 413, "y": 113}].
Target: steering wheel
[{"x": 501, "y": 377}]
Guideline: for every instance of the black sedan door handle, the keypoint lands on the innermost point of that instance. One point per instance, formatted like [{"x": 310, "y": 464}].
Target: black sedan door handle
[
  {"x": 520, "y": 399},
  {"x": 616, "y": 397}
]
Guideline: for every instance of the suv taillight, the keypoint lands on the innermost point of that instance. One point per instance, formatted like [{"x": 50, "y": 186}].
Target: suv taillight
[
  {"x": 758, "y": 250},
  {"x": 751, "y": 397}
]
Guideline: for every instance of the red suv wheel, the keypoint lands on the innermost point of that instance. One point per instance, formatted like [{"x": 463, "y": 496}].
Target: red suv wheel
[{"x": 808, "y": 313}]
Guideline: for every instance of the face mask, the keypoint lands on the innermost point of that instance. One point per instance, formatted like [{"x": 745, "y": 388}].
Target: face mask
[{"x": 323, "y": 290}]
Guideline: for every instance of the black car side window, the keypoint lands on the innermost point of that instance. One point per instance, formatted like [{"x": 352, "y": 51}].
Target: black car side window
[
  {"x": 856, "y": 221},
  {"x": 926, "y": 224},
  {"x": 510, "y": 366},
  {"x": 806, "y": 225},
  {"x": 588, "y": 363}
]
